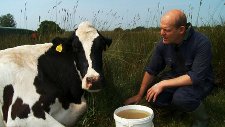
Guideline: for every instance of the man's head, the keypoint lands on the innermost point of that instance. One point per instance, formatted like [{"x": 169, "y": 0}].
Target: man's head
[{"x": 173, "y": 26}]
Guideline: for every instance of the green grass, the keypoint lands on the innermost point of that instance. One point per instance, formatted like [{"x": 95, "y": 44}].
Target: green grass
[{"x": 124, "y": 63}]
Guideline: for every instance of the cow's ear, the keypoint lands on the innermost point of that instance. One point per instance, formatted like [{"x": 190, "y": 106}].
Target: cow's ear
[
  {"x": 56, "y": 40},
  {"x": 59, "y": 44},
  {"x": 107, "y": 42}
]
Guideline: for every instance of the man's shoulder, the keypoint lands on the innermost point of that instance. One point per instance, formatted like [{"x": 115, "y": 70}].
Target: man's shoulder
[{"x": 200, "y": 36}]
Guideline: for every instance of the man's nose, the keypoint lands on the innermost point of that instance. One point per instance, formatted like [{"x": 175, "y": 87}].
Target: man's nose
[{"x": 162, "y": 32}]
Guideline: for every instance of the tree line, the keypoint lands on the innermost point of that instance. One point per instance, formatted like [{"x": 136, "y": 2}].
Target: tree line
[{"x": 45, "y": 28}]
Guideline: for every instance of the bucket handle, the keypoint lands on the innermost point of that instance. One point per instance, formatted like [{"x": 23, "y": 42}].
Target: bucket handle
[
  {"x": 130, "y": 124},
  {"x": 127, "y": 123}
]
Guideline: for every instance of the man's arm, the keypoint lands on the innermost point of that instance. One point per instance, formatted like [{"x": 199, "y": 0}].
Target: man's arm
[
  {"x": 156, "y": 89},
  {"x": 147, "y": 79}
]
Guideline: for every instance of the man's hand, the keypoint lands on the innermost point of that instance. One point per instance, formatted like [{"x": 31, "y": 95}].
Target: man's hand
[
  {"x": 133, "y": 100},
  {"x": 155, "y": 90}
]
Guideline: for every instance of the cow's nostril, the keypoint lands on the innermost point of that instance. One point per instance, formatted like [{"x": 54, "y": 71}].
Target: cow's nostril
[
  {"x": 89, "y": 79},
  {"x": 92, "y": 79}
]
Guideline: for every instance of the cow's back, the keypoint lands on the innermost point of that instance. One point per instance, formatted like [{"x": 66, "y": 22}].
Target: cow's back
[
  {"x": 18, "y": 67},
  {"x": 14, "y": 60}
]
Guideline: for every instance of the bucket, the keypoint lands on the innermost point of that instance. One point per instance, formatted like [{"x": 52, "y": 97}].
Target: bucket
[{"x": 145, "y": 121}]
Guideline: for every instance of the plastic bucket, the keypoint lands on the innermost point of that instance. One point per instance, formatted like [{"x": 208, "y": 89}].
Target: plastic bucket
[{"x": 142, "y": 122}]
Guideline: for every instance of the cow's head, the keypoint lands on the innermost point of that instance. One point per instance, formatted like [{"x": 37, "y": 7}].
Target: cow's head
[{"x": 88, "y": 45}]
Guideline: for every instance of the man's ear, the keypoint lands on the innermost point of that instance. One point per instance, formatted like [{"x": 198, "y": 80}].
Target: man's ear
[{"x": 182, "y": 29}]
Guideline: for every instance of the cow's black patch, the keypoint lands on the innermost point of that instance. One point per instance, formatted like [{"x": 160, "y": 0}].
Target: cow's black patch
[
  {"x": 57, "y": 76},
  {"x": 19, "y": 109},
  {"x": 38, "y": 110},
  {"x": 99, "y": 45},
  {"x": 7, "y": 100},
  {"x": 57, "y": 72}
]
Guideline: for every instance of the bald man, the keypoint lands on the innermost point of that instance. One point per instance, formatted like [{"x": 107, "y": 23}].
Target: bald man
[{"x": 184, "y": 56}]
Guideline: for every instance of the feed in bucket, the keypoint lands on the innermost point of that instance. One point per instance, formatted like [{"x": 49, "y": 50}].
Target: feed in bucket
[{"x": 134, "y": 116}]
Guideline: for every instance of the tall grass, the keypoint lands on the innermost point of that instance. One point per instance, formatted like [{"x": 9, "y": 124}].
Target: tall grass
[{"x": 124, "y": 64}]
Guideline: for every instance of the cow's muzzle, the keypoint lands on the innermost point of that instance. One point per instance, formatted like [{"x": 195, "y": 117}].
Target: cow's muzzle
[{"x": 94, "y": 83}]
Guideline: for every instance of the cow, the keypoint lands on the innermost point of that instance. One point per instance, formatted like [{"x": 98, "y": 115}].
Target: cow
[{"x": 43, "y": 85}]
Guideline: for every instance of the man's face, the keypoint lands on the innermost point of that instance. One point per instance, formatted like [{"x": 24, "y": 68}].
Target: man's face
[{"x": 169, "y": 32}]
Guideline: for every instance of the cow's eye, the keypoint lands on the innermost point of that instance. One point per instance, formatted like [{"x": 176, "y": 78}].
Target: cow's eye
[{"x": 78, "y": 49}]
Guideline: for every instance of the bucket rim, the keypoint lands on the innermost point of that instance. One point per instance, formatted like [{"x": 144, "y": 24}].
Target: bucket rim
[{"x": 141, "y": 107}]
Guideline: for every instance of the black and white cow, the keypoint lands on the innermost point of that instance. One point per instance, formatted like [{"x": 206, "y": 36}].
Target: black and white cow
[{"x": 42, "y": 85}]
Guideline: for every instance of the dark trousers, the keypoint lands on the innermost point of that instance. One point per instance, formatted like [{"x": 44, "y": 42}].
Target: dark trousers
[{"x": 186, "y": 98}]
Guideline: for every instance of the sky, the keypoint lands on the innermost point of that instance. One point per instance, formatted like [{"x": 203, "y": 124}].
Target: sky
[{"x": 110, "y": 14}]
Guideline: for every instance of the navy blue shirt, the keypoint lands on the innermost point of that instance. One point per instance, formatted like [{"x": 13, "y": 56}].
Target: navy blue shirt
[{"x": 192, "y": 57}]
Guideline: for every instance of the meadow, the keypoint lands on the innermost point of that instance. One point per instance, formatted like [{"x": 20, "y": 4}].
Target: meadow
[{"x": 124, "y": 62}]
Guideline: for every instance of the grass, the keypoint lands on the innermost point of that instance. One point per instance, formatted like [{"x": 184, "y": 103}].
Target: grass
[{"x": 124, "y": 62}]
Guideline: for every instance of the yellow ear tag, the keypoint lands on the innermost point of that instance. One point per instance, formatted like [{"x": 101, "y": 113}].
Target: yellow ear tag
[{"x": 59, "y": 48}]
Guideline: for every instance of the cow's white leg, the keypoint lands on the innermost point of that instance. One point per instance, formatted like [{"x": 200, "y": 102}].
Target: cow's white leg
[
  {"x": 2, "y": 123},
  {"x": 68, "y": 117},
  {"x": 32, "y": 121}
]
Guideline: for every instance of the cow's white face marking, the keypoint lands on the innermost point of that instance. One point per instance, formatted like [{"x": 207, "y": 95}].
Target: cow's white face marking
[
  {"x": 86, "y": 34},
  {"x": 77, "y": 70}
]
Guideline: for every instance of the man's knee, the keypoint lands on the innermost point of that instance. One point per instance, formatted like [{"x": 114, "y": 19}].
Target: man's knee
[
  {"x": 164, "y": 98},
  {"x": 185, "y": 103}
]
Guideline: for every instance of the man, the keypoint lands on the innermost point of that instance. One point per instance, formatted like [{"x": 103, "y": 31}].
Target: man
[{"x": 185, "y": 56}]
